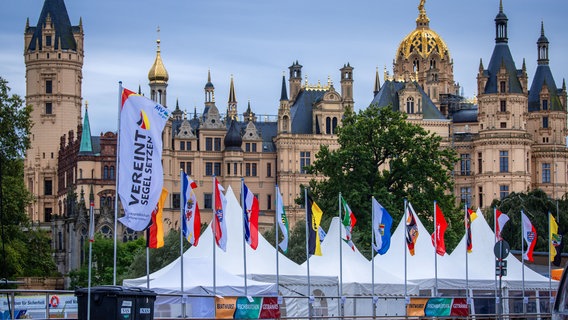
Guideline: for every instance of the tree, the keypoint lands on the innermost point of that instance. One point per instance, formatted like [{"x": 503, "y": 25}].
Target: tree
[
  {"x": 382, "y": 154},
  {"x": 25, "y": 250},
  {"x": 536, "y": 205}
]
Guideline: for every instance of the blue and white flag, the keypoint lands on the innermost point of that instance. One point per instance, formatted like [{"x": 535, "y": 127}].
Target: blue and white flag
[{"x": 382, "y": 223}]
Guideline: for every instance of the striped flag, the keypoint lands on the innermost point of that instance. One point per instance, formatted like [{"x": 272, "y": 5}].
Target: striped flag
[
  {"x": 191, "y": 226},
  {"x": 219, "y": 221},
  {"x": 349, "y": 221},
  {"x": 250, "y": 217},
  {"x": 155, "y": 232},
  {"x": 529, "y": 235}
]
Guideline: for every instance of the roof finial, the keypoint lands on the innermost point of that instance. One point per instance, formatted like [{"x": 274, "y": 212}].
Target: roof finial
[
  {"x": 86, "y": 105},
  {"x": 500, "y": 6},
  {"x": 158, "y": 40},
  {"x": 542, "y": 27}
]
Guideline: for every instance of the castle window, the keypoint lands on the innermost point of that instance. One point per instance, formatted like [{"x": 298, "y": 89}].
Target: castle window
[
  {"x": 333, "y": 125},
  {"x": 480, "y": 196},
  {"x": 182, "y": 145},
  {"x": 479, "y": 162},
  {"x": 269, "y": 202},
  {"x": 112, "y": 172},
  {"x": 546, "y": 173},
  {"x": 48, "y": 41},
  {"x": 328, "y": 125},
  {"x": 176, "y": 200},
  {"x": 207, "y": 201},
  {"x": 217, "y": 168},
  {"x": 503, "y": 191},
  {"x": 544, "y": 104},
  {"x": 503, "y": 161},
  {"x": 105, "y": 173},
  {"x": 47, "y": 187},
  {"x": 503, "y": 125},
  {"x": 253, "y": 147},
  {"x": 217, "y": 144},
  {"x": 48, "y": 108},
  {"x": 545, "y": 122},
  {"x": 208, "y": 168},
  {"x": 208, "y": 144},
  {"x": 503, "y": 106},
  {"x": 247, "y": 147},
  {"x": 410, "y": 105},
  {"x": 304, "y": 161},
  {"x": 465, "y": 195},
  {"x": 502, "y": 87},
  {"x": 228, "y": 169},
  {"x": 48, "y": 86},
  {"x": 269, "y": 169},
  {"x": 47, "y": 213},
  {"x": 465, "y": 164}
]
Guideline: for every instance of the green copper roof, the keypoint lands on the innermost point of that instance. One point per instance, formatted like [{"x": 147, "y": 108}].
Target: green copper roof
[{"x": 86, "y": 143}]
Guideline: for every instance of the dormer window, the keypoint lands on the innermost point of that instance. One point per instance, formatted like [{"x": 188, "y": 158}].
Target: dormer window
[
  {"x": 544, "y": 104},
  {"x": 502, "y": 87},
  {"x": 410, "y": 105},
  {"x": 48, "y": 41}
]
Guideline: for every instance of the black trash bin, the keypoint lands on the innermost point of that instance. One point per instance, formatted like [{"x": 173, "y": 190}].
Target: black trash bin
[{"x": 116, "y": 302}]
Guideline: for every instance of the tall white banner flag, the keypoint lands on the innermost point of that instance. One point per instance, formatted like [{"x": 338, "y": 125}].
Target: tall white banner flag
[{"x": 140, "y": 165}]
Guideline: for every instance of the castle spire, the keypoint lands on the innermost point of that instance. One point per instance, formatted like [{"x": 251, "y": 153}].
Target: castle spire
[
  {"x": 377, "y": 83},
  {"x": 422, "y": 21},
  {"x": 86, "y": 143}
]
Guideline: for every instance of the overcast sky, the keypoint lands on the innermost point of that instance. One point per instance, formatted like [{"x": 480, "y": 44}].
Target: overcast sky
[{"x": 256, "y": 40}]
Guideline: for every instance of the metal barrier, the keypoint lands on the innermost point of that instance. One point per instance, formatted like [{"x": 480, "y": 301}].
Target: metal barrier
[{"x": 62, "y": 304}]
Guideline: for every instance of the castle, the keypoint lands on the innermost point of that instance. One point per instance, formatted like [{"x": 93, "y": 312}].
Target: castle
[{"x": 510, "y": 139}]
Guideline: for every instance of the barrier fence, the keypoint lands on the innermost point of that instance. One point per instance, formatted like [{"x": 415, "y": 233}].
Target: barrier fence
[{"x": 63, "y": 304}]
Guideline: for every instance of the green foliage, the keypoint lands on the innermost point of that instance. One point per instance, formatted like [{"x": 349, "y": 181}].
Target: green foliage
[
  {"x": 536, "y": 205},
  {"x": 382, "y": 154},
  {"x": 25, "y": 250}
]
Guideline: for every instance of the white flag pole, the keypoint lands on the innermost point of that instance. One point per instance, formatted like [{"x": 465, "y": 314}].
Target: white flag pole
[
  {"x": 308, "y": 254},
  {"x": 549, "y": 256},
  {"x": 405, "y": 248},
  {"x": 244, "y": 207},
  {"x": 373, "y": 255},
  {"x": 214, "y": 235},
  {"x": 467, "y": 227},
  {"x": 340, "y": 258},
  {"x": 182, "y": 202},
  {"x": 91, "y": 240},
  {"x": 276, "y": 227},
  {"x": 117, "y": 198},
  {"x": 523, "y": 232},
  {"x": 147, "y": 267}
]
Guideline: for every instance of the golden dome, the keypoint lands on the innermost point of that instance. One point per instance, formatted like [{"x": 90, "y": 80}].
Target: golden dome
[
  {"x": 158, "y": 72},
  {"x": 422, "y": 40}
]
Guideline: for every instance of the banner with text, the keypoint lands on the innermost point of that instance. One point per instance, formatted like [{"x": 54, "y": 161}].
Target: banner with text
[
  {"x": 437, "y": 307},
  {"x": 243, "y": 308}
]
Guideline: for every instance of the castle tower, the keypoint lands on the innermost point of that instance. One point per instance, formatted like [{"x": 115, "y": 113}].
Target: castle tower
[
  {"x": 295, "y": 81},
  {"x": 347, "y": 86},
  {"x": 232, "y": 103},
  {"x": 53, "y": 55},
  {"x": 423, "y": 56},
  {"x": 284, "y": 109},
  {"x": 503, "y": 149},
  {"x": 158, "y": 78},
  {"x": 547, "y": 124},
  {"x": 209, "y": 92}
]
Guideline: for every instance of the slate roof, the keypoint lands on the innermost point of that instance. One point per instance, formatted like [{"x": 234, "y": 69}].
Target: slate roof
[
  {"x": 502, "y": 56},
  {"x": 301, "y": 111},
  {"x": 542, "y": 77},
  {"x": 63, "y": 29},
  {"x": 389, "y": 95},
  {"x": 465, "y": 115}
]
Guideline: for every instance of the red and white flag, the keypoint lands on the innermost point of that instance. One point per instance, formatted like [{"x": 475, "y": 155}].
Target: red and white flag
[
  {"x": 219, "y": 221},
  {"x": 250, "y": 217},
  {"x": 529, "y": 235},
  {"x": 141, "y": 176},
  {"x": 439, "y": 232},
  {"x": 500, "y": 220},
  {"x": 191, "y": 226}
]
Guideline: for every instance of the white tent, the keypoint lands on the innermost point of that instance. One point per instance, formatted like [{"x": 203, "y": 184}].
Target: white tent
[
  {"x": 357, "y": 277},
  {"x": 421, "y": 266},
  {"x": 481, "y": 264},
  {"x": 260, "y": 264}
]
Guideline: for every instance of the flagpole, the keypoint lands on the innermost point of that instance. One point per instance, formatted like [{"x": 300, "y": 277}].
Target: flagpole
[
  {"x": 523, "y": 258},
  {"x": 181, "y": 222},
  {"x": 214, "y": 235},
  {"x": 91, "y": 239},
  {"x": 435, "y": 253},
  {"x": 373, "y": 255},
  {"x": 243, "y": 205},
  {"x": 308, "y": 254},
  {"x": 147, "y": 267},
  {"x": 117, "y": 198},
  {"x": 549, "y": 256},
  {"x": 467, "y": 236},
  {"x": 340, "y": 259},
  {"x": 405, "y": 250},
  {"x": 276, "y": 227}
]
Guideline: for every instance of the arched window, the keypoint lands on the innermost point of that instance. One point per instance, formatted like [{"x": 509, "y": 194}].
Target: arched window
[
  {"x": 334, "y": 125},
  {"x": 112, "y": 172},
  {"x": 105, "y": 172},
  {"x": 328, "y": 125},
  {"x": 410, "y": 105}
]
